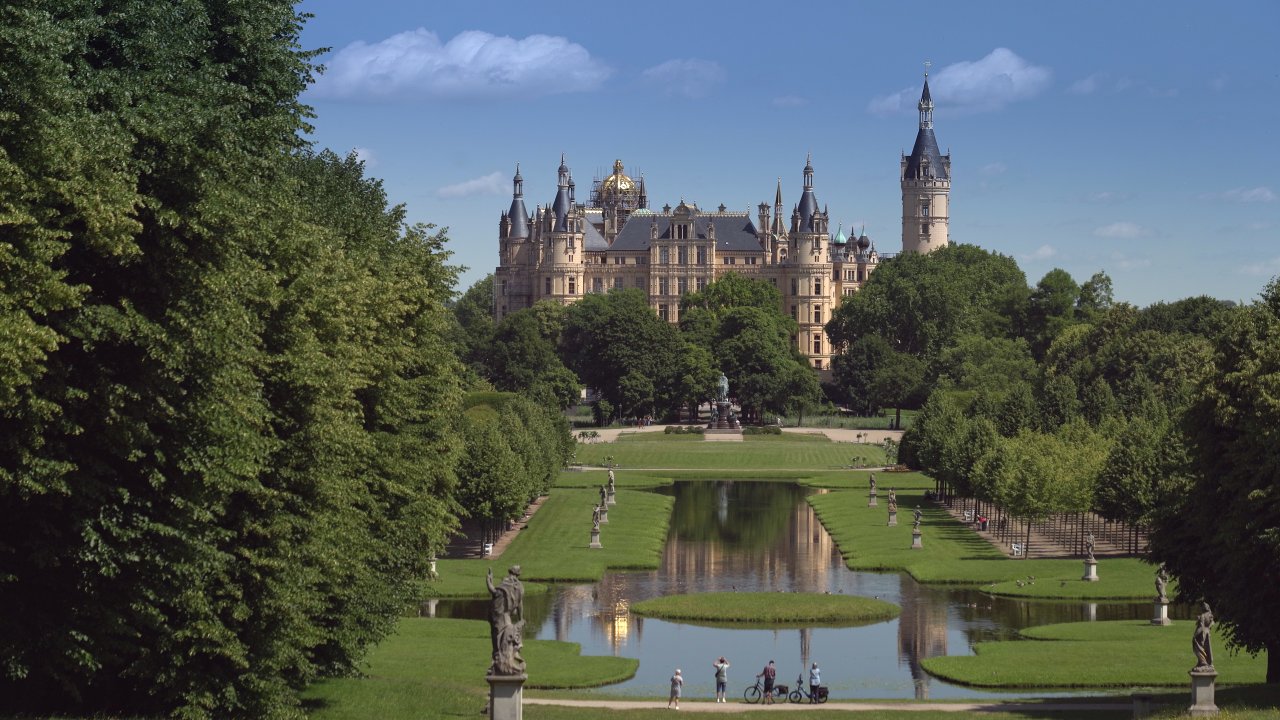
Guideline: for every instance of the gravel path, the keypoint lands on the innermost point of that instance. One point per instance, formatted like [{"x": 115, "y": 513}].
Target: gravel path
[{"x": 739, "y": 706}]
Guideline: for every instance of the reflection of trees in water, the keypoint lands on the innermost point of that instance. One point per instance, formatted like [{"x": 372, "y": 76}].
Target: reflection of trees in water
[{"x": 747, "y": 515}]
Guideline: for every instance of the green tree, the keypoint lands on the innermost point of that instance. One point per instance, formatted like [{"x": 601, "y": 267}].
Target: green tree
[
  {"x": 519, "y": 357},
  {"x": 1050, "y": 309},
  {"x": 896, "y": 383},
  {"x": 854, "y": 370},
  {"x": 1221, "y": 540},
  {"x": 610, "y": 336},
  {"x": 920, "y": 303}
]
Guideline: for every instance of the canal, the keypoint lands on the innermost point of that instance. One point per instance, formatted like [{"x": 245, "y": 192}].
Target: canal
[{"x": 744, "y": 536}]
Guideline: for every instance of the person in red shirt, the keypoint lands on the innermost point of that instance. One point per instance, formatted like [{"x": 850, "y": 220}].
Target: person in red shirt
[{"x": 770, "y": 673}]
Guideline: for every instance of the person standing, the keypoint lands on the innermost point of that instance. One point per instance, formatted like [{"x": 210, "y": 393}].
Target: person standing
[
  {"x": 769, "y": 673},
  {"x": 677, "y": 683},
  {"x": 815, "y": 679},
  {"x": 722, "y": 678}
]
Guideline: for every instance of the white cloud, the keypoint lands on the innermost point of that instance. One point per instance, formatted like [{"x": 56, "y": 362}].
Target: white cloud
[
  {"x": 1125, "y": 262},
  {"x": 789, "y": 101},
  {"x": 490, "y": 184},
  {"x": 1044, "y": 252},
  {"x": 689, "y": 77},
  {"x": 1263, "y": 268},
  {"x": 366, "y": 156},
  {"x": 1086, "y": 86},
  {"x": 1121, "y": 230},
  {"x": 995, "y": 168},
  {"x": 415, "y": 64},
  {"x": 1260, "y": 194},
  {"x": 973, "y": 86},
  {"x": 1107, "y": 196}
]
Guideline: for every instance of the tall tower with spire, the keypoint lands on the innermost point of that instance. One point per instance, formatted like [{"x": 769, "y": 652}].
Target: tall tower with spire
[{"x": 926, "y": 186}]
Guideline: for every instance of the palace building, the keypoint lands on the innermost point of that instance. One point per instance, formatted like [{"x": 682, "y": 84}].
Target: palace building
[{"x": 567, "y": 249}]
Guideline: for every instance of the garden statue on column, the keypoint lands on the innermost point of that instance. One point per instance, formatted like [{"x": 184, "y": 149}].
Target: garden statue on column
[
  {"x": 604, "y": 494},
  {"x": 916, "y": 524},
  {"x": 506, "y": 623},
  {"x": 612, "y": 489},
  {"x": 1088, "y": 548},
  {"x": 1201, "y": 644},
  {"x": 595, "y": 518},
  {"x": 1162, "y": 581},
  {"x": 722, "y": 388}
]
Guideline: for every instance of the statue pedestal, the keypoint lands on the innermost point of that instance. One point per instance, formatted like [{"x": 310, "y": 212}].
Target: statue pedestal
[
  {"x": 893, "y": 518},
  {"x": 595, "y": 540},
  {"x": 604, "y": 514},
  {"x": 1090, "y": 571},
  {"x": 1161, "y": 613},
  {"x": 611, "y": 499},
  {"x": 506, "y": 695},
  {"x": 915, "y": 540},
  {"x": 871, "y": 499},
  {"x": 1202, "y": 693}
]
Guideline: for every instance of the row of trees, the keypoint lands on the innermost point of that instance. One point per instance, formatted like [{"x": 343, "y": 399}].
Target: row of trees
[
  {"x": 1056, "y": 399},
  {"x": 641, "y": 364},
  {"x": 232, "y": 427}
]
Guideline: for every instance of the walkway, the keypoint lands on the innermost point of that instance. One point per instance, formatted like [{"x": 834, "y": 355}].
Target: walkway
[
  {"x": 738, "y": 706},
  {"x": 512, "y": 530},
  {"x": 871, "y": 437},
  {"x": 1048, "y": 540}
]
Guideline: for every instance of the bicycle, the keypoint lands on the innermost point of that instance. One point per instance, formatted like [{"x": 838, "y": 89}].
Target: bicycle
[
  {"x": 755, "y": 693},
  {"x": 800, "y": 694}
]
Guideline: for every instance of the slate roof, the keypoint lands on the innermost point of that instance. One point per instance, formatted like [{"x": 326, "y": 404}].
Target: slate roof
[
  {"x": 592, "y": 240},
  {"x": 734, "y": 231},
  {"x": 926, "y": 146}
]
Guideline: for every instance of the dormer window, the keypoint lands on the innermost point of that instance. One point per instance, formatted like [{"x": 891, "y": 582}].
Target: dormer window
[{"x": 682, "y": 232}]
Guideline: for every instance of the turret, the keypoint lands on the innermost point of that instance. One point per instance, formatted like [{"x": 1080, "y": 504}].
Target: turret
[{"x": 926, "y": 186}]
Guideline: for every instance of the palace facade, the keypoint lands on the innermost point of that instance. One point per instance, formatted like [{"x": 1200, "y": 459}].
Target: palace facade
[{"x": 567, "y": 249}]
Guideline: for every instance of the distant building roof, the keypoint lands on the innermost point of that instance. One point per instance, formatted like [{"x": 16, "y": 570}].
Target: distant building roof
[{"x": 734, "y": 231}]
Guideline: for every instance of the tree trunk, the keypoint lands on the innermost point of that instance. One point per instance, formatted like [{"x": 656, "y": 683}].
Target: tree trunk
[{"x": 897, "y": 418}]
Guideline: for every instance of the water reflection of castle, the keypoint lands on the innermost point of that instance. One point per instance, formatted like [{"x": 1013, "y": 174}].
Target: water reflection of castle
[{"x": 922, "y": 632}]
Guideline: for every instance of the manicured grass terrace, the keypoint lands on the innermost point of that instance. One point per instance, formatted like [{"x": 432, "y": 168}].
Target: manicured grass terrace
[
  {"x": 768, "y": 609},
  {"x": 1123, "y": 653},
  {"x": 755, "y": 452},
  {"x": 954, "y": 553}
]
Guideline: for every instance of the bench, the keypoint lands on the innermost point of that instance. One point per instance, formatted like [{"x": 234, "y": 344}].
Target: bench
[
  {"x": 487, "y": 550},
  {"x": 1017, "y": 549},
  {"x": 968, "y": 516}
]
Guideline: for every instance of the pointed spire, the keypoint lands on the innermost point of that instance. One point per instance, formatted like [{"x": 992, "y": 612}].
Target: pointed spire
[
  {"x": 926, "y": 104},
  {"x": 563, "y": 202},
  {"x": 777, "y": 200},
  {"x": 808, "y": 202},
  {"x": 518, "y": 215}
]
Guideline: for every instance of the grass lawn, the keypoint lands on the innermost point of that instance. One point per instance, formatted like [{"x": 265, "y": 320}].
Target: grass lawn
[
  {"x": 769, "y": 609},
  {"x": 465, "y": 579},
  {"x": 436, "y": 667},
  {"x": 1123, "y": 653},
  {"x": 953, "y": 553},
  {"x": 797, "y": 452},
  {"x": 554, "y": 546}
]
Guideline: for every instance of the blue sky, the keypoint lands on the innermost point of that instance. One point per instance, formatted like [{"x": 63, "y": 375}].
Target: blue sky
[{"x": 1135, "y": 138}]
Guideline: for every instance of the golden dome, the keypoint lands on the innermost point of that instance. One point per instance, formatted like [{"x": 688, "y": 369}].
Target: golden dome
[{"x": 617, "y": 183}]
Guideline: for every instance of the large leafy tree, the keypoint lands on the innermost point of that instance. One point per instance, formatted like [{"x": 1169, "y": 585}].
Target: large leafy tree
[
  {"x": 1221, "y": 540},
  {"x": 920, "y": 303},
  {"x": 520, "y": 356},
  {"x": 608, "y": 337},
  {"x": 228, "y": 361}
]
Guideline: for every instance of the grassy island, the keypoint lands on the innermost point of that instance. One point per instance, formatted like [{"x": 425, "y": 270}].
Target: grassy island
[
  {"x": 768, "y": 608},
  {"x": 1119, "y": 653}
]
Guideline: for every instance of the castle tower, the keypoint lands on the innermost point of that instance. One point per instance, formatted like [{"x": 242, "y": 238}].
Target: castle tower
[
  {"x": 564, "y": 255},
  {"x": 809, "y": 289},
  {"x": 516, "y": 255},
  {"x": 926, "y": 186}
]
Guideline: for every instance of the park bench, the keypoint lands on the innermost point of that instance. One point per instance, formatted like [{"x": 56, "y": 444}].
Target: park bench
[
  {"x": 1017, "y": 549},
  {"x": 968, "y": 516},
  {"x": 487, "y": 550}
]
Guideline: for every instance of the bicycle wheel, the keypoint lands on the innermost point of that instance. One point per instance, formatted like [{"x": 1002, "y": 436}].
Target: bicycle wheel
[
  {"x": 822, "y": 697},
  {"x": 752, "y": 695},
  {"x": 795, "y": 696}
]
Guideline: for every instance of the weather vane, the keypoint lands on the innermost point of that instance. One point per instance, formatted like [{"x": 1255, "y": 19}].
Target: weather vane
[{"x": 926, "y": 68}]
